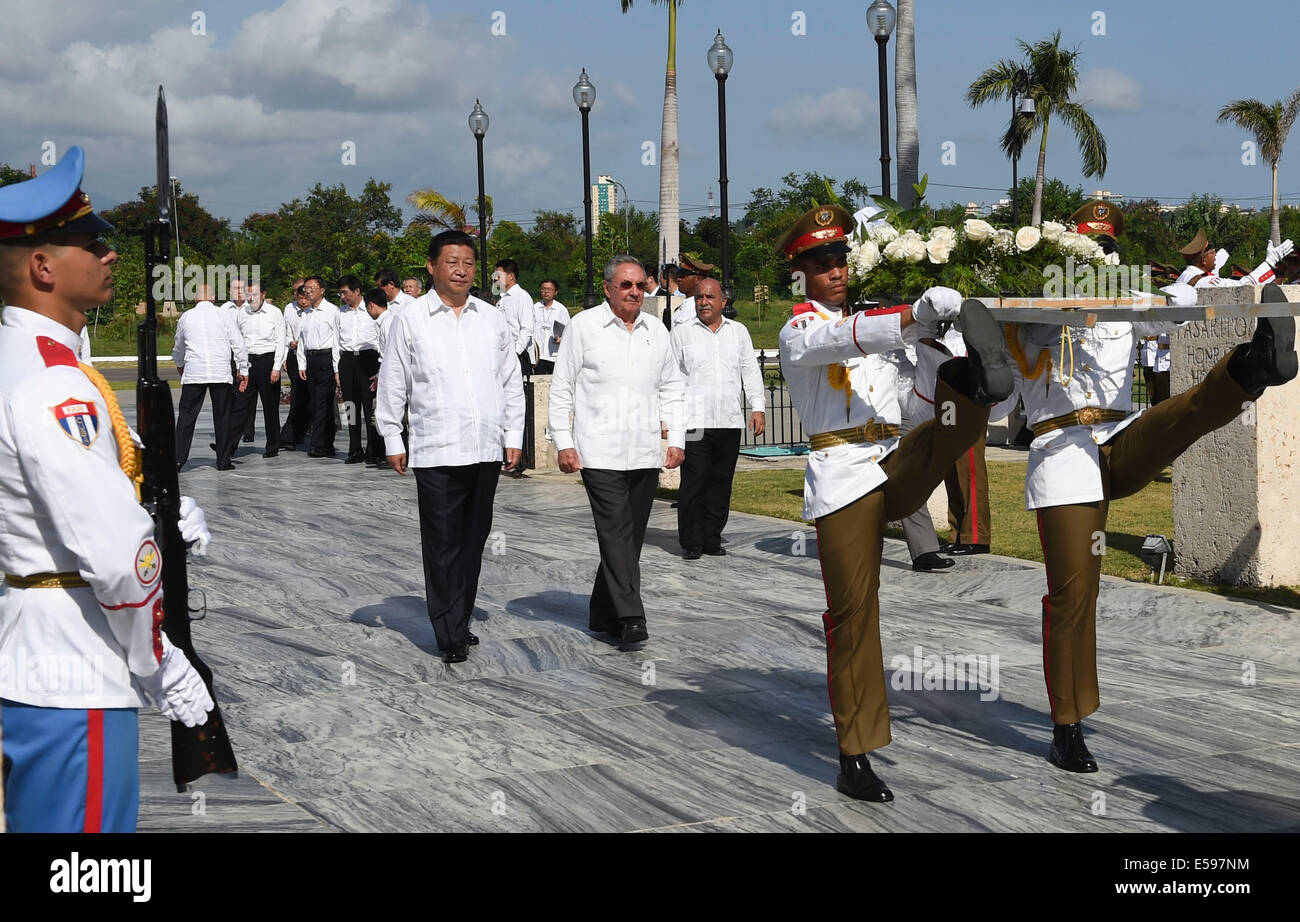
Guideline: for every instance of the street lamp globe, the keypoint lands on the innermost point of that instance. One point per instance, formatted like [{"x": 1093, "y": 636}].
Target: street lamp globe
[
  {"x": 719, "y": 56},
  {"x": 478, "y": 120},
  {"x": 881, "y": 18},
  {"x": 1027, "y": 107},
  {"x": 584, "y": 93}
]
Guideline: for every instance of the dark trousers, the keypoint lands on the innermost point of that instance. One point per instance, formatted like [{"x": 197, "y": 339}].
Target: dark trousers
[
  {"x": 191, "y": 403},
  {"x": 704, "y": 500},
  {"x": 620, "y": 505},
  {"x": 241, "y": 417},
  {"x": 455, "y": 520},
  {"x": 355, "y": 371},
  {"x": 544, "y": 367},
  {"x": 1157, "y": 383},
  {"x": 296, "y": 426},
  {"x": 320, "y": 384}
]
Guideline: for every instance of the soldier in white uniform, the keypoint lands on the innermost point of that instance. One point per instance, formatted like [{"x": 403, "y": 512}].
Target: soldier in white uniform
[
  {"x": 860, "y": 474},
  {"x": 1203, "y": 264},
  {"x": 81, "y": 643},
  {"x": 1091, "y": 448}
]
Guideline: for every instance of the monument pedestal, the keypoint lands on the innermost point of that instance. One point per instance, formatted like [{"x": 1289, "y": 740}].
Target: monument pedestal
[{"x": 1236, "y": 490}]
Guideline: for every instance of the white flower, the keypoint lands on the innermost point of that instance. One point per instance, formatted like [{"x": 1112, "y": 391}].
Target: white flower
[
  {"x": 1111, "y": 259},
  {"x": 946, "y": 235},
  {"x": 881, "y": 233},
  {"x": 863, "y": 257},
  {"x": 914, "y": 248},
  {"x": 1052, "y": 230},
  {"x": 977, "y": 229},
  {"x": 1003, "y": 241},
  {"x": 939, "y": 248},
  {"x": 1027, "y": 238},
  {"x": 1074, "y": 244},
  {"x": 895, "y": 249}
]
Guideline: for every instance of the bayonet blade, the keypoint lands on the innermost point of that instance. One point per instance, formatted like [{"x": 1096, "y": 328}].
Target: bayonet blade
[{"x": 164, "y": 167}]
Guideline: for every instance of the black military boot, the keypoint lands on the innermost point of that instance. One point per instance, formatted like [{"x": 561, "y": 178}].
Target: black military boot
[
  {"x": 990, "y": 374},
  {"x": 1068, "y": 749},
  {"x": 1269, "y": 358},
  {"x": 858, "y": 780}
]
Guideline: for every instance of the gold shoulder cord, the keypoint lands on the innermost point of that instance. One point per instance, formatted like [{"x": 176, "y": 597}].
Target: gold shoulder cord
[
  {"x": 1018, "y": 353},
  {"x": 128, "y": 456},
  {"x": 1061, "y": 376}
]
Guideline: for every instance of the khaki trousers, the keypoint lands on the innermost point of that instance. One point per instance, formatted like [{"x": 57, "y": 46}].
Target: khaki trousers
[
  {"x": 1073, "y": 535},
  {"x": 849, "y": 542},
  {"x": 968, "y": 496}
]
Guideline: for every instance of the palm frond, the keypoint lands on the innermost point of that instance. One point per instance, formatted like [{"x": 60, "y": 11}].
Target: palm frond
[
  {"x": 1092, "y": 144},
  {"x": 994, "y": 84},
  {"x": 1260, "y": 119}
]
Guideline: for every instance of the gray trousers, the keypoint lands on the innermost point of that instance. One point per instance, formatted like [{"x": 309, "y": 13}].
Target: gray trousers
[{"x": 918, "y": 528}]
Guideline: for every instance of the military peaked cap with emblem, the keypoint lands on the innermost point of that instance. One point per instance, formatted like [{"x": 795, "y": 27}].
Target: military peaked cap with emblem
[
  {"x": 1198, "y": 245},
  {"x": 693, "y": 267},
  {"x": 819, "y": 231},
  {"x": 50, "y": 205},
  {"x": 1098, "y": 218}
]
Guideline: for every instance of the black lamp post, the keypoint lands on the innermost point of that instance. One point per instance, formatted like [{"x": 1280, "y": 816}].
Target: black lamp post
[
  {"x": 881, "y": 19},
  {"x": 584, "y": 95},
  {"x": 1019, "y": 86},
  {"x": 478, "y": 123},
  {"x": 720, "y": 58}
]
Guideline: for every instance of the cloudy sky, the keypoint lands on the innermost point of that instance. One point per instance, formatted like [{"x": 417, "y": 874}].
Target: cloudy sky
[{"x": 267, "y": 93}]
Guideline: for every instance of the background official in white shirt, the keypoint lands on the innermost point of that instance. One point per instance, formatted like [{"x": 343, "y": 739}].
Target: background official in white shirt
[
  {"x": 450, "y": 359},
  {"x": 517, "y": 305},
  {"x": 262, "y": 326},
  {"x": 318, "y": 363},
  {"x": 387, "y": 280},
  {"x": 206, "y": 337},
  {"x": 298, "y": 422},
  {"x": 615, "y": 374},
  {"x": 358, "y": 365},
  {"x": 549, "y": 315},
  {"x": 716, "y": 356}
]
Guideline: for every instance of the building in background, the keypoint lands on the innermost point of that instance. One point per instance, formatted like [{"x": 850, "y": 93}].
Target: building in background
[{"x": 604, "y": 200}]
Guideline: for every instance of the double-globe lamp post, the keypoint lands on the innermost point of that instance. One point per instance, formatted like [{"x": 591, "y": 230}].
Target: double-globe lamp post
[
  {"x": 880, "y": 19},
  {"x": 720, "y": 59},
  {"x": 478, "y": 124},
  {"x": 584, "y": 95}
]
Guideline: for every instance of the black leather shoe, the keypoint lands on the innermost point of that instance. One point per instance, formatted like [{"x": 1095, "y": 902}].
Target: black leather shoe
[
  {"x": 931, "y": 561},
  {"x": 963, "y": 550},
  {"x": 1269, "y": 359},
  {"x": 472, "y": 640},
  {"x": 288, "y": 447},
  {"x": 456, "y": 653},
  {"x": 716, "y": 551},
  {"x": 634, "y": 631},
  {"x": 270, "y": 454},
  {"x": 990, "y": 359},
  {"x": 691, "y": 554},
  {"x": 354, "y": 459},
  {"x": 228, "y": 466},
  {"x": 1068, "y": 750},
  {"x": 247, "y": 437},
  {"x": 317, "y": 454},
  {"x": 859, "y": 782}
]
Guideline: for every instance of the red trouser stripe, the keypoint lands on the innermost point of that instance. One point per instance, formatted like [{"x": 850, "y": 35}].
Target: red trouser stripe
[
  {"x": 1047, "y": 620},
  {"x": 973, "y": 511},
  {"x": 94, "y": 770}
]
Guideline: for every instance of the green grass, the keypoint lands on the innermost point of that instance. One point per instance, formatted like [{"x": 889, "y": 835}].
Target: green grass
[{"x": 1015, "y": 530}]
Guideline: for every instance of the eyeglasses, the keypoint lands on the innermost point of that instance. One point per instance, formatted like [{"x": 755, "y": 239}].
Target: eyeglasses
[{"x": 625, "y": 285}]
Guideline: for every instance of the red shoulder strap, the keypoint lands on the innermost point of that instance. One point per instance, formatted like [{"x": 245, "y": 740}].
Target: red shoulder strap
[
  {"x": 55, "y": 353},
  {"x": 806, "y": 307}
]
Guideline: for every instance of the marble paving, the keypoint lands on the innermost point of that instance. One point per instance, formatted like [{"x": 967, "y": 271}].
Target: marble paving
[{"x": 345, "y": 719}]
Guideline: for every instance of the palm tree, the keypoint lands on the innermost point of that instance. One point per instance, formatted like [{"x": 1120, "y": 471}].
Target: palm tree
[
  {"x": 1052, "y": 76},
  {"x": 436, "y": 210},
  {"x": 1270, "y": 124},
  {"x": 669, "y": 166},
  {"x": 907, "y": 134}
]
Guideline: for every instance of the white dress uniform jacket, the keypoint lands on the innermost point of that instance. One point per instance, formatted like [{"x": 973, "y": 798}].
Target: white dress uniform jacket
[
  {"x": 1096, "y": 371},
  {"x": 715, "y": 366},
  {"x": 318, "y": 328},
  {"x": 460, "y": 379},
  {"x": 263, "y": 331},
  {"x": 619, "y": 386},
  {"x": 545, "y": 319},
  {"x": 684, "y": 312},
  {"x": 818, "y": 344},
  {"x": 206, "y": 336},
  {"x": 66, "y": 507},
  {"x": 517, "y": 306}
]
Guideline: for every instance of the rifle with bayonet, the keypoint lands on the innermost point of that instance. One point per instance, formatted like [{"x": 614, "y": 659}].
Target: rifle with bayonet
[{"x": 200, "y": 750}]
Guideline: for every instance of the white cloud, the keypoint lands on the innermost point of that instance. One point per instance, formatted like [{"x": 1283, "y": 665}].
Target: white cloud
[
  {"x": 840, "y": 112},
  {"x": 1109, "y": 91}
]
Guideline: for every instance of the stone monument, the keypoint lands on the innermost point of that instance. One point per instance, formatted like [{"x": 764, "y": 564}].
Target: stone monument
[{"x": 1236, "y": 515}]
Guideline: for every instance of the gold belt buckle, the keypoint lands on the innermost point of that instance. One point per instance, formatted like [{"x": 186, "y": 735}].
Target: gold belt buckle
[{"x": 1089, "y": 415}]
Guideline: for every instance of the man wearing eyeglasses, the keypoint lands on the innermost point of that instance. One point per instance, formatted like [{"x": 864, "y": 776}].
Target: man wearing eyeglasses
[
  {"x": 1203, "y": 264},
  {"x": 616, "y": 376},
  {"x": 318, "y": 363}
]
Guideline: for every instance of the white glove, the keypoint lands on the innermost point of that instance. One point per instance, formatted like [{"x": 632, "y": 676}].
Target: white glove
[
  {"x": 194, "y": 526},
  {"x": 1180, "y": 294},
  {"x": 1220, "y": 260},
  {"x": 1278, "y": 253},
  {"x": 936, "y": 304},
  {"x": 177, "y": 688}
]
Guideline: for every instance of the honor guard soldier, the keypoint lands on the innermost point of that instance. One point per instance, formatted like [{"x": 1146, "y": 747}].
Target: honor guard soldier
[
  {"x": 81, "y": 642},
  {"x": 1089, "y": 449},
  {"x": 1203, "y": 264},
  {"x": 860, "y": 474}
]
